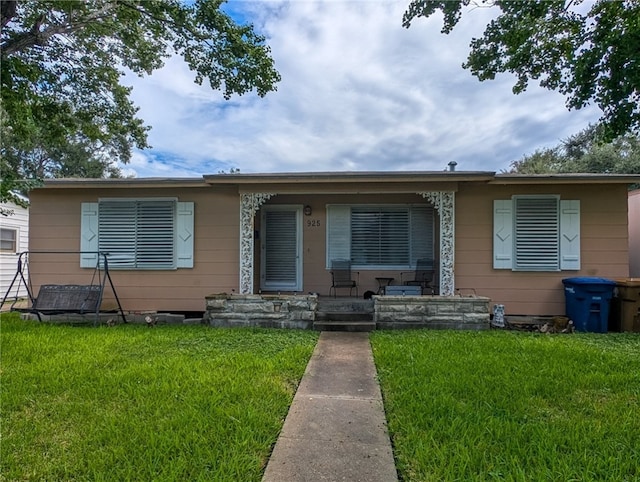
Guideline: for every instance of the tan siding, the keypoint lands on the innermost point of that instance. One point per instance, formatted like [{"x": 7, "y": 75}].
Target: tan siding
[
  {"x": 603, "y": 246},
  {"x": 56, "y": 226}
]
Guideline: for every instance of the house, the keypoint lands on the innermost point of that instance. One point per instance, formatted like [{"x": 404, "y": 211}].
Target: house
[
  {"x": 172, "y": 242},
  {"x": 634, "y": 233},
  {"x": 14, "y": 239}
]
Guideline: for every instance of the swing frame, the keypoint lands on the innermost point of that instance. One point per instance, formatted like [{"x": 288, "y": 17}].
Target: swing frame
[{"x": 59, "y": 299}]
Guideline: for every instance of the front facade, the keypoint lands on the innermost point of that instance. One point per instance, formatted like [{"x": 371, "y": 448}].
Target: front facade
[{"x": 173, "y": 242}]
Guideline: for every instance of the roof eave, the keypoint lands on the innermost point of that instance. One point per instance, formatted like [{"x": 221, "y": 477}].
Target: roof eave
[
  {"x": 565, "y": 179},
  {"x": 147, "y": 182}
]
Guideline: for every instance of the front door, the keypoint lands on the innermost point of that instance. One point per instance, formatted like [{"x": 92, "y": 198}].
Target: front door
[{"x": 281, "y": 245}]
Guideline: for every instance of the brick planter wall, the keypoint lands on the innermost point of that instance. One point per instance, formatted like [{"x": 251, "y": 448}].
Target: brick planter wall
[
  {"x": 267, "y": 311},
  {"x": 455, "y": 312}
]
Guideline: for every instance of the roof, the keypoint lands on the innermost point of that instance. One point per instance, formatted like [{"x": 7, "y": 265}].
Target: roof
[{"x": 333, "y": 178}]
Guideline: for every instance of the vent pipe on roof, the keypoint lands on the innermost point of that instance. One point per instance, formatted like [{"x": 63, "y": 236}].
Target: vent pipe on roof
[{"x": 452, "y": 166}]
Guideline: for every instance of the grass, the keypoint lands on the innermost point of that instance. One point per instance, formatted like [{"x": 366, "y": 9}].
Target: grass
[
  {"x": 194, "y": 403},
  {"x": 133, "y": 403},
  {"x": 468, "y": 406}
]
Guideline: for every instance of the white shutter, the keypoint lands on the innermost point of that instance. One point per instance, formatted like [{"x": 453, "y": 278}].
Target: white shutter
[
  {"x": 338, "y": 232},
  {"x": 88, "y": 234},
  {"x": 502, "y": 234},
  {"x": 184, "y": 245},
  {"x": 570, "y": 235}
]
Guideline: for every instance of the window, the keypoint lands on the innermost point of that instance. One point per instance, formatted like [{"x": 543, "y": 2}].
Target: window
[
  {"x": 138, "y": 233},
  {"x": 380, "y": 237},
  {"x": 8, "y": 240},
  {"x": 536, "y": 233}
]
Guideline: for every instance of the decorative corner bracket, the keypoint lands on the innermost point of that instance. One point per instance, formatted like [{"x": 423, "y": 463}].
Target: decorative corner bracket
[
  {"x": 249, "y": 205},
  {"x": 444, "y": 203}
]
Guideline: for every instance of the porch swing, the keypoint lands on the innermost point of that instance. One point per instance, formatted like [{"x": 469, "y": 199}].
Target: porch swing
[{"x": 55, "y": 299}]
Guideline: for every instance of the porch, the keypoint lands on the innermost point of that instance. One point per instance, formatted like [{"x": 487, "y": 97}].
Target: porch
[{"x": 382, "y": 312}]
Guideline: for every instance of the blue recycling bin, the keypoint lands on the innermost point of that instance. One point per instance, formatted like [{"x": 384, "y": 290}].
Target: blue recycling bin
[{"x": 587, "y": 302}]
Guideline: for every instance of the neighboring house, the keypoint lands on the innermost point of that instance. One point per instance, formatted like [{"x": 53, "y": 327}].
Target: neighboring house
[
  {"x": 171, "y": 242},
  {"x": 634, "y": 233},
  {"x": 14, "y": 239}
]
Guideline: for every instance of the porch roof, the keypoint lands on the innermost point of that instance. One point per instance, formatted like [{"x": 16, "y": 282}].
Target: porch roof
[{"x": 346, "y": 177}]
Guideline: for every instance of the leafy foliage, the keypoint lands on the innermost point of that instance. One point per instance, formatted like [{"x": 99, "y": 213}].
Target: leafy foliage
[
  {"x": 64, "y": 112},
  {"x": 589, "y": 53},
  {"x": 584, "y": 153}
]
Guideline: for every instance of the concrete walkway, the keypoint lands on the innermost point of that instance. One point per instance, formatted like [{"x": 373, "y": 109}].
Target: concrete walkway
[{"x": 336, "y": 428}]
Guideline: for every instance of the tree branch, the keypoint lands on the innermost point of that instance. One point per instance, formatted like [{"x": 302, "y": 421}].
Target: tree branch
[
  {"x": 37, "y": 37},
  {"x": 8, "y": 10}
]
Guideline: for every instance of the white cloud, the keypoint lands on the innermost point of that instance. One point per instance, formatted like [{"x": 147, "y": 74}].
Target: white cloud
[{"x": 358, "y": 92}]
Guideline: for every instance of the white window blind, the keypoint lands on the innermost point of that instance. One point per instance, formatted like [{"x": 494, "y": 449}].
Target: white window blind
[
  {"x": 422, "y": 228},
  {"x": 371, "y": 236},
  {"x": 380, "y": 236},
  {"x": 137, "y": 234},
  {"x": 537, "y": 233}
]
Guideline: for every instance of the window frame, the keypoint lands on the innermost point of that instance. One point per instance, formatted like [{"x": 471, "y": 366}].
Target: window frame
[
  {"x": 14, "y": 241},
  {"x": 566, "y": 237},
  {"x": 139, "y": 235},
  {"x": 182, "y": 239}
]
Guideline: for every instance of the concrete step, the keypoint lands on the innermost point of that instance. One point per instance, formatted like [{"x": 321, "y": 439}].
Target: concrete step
[
  {"x": 350, "y": 326},
  {"x": 344, "y": 316},
  {"x": 334, "y": 305}
]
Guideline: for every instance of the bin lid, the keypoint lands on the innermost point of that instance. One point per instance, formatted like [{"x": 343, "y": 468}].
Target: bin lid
[
  {"x": 588, "y": 280},
  {"x": 630, "y": 282}
]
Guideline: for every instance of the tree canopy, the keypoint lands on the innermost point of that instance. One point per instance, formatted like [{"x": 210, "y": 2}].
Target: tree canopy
[
  {"x": 584, "y": 153},
  {"x": 63, "y": 111},
  {"x": 589, "y": 52}
]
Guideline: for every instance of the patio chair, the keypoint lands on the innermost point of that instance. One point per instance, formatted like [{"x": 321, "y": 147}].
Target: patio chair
[
  {"x": 422, "y": 276},
  {"x": 341, "y": 276}
]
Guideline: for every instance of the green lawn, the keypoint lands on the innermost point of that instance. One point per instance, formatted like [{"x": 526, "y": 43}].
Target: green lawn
[
  {"x": 196, "y": 403},
  {"x": 469, "y": 406},
  {"x": 132, "y": 403}
]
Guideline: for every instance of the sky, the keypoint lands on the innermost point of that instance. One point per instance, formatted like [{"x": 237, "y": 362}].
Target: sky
[{"x": 358, "y": 93}]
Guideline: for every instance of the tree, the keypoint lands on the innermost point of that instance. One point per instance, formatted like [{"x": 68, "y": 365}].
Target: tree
[
  {"x": 584, "y": 153},
  {"x": 63, "y": 109},
  {"x": 588, "y": 52}
]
